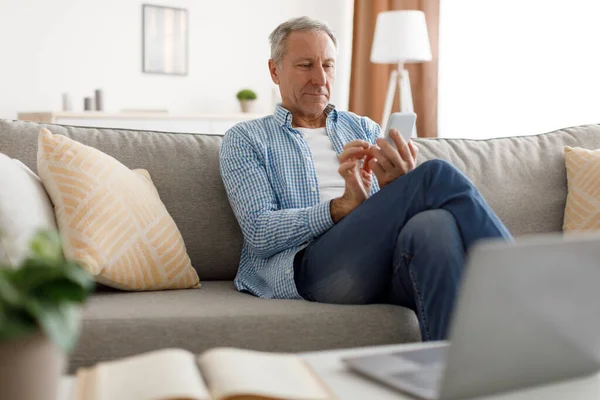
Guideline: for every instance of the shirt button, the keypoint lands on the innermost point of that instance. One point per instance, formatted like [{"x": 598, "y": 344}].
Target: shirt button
[
  {"x": 314, "y": 189},
  {"x": 308, "y": 158},
  {"x": 289, "y": 271}
]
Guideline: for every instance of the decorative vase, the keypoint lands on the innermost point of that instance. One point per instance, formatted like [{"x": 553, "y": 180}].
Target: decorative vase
[
  {"x": 31, "y": 368},
  {"x": 88, "y": 104},
  {"x": 99, "y": 99},
  {"x": 247, "y": 105},
  {"x": 66, "y": 102}
]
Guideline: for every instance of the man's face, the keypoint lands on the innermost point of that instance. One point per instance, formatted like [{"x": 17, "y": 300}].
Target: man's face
[{"x": 306, "y": 73}]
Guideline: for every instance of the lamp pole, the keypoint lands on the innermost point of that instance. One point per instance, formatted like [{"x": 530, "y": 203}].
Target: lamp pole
[{"x": 401, "y": 78}]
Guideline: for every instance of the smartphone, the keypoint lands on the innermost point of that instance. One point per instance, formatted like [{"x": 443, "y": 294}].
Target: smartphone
[{"x": 404, "y": 122}]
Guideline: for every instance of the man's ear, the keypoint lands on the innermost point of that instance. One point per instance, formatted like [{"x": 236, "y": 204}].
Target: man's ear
[{"x": 274, "y": 71}]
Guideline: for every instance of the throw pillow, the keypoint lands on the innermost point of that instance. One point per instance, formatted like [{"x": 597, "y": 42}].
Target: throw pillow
[
  {"x": 25, "y": 208},
  {"x": 582, "y": 212},
  {"x": 111, "y": 218}
]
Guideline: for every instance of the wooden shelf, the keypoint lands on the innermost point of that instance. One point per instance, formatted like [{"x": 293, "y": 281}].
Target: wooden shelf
[
  {"x": 211, "y": 123},
  {"x": 43, "y": 116}
]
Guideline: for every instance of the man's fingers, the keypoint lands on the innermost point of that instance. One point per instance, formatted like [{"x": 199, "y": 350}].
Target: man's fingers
[
  {"x": 347, "y": 168},
  {"x": 402, "y": 146},
  {"x": 367, "y": 177},
  {"x": 411, "y": 157},
  {"x": 377, "y": 169},
  {"x": 396, "y": 137},
  {"x": 383, "y": 157},
  {"x": 414, "y": 150},
  {"x": 348, "y": 171},
  {"x": 352, "y": 153},
  {"x": 366, "y": 167},
  {"x": 390, "y": 154},
  {"x": 365, "y": 174},
  {"x": 356, "y": 143}
]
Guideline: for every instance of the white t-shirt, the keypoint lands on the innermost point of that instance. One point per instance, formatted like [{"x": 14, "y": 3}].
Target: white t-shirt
[{"x": 331, "y": 184}]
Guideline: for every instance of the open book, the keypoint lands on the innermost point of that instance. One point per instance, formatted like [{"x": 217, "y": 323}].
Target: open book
[{"x": 217, "y": 374}]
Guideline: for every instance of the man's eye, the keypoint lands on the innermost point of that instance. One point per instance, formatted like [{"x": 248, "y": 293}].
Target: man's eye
[
  {"x": 305, "y": 65},
  {"x": 328, "y": 65}
]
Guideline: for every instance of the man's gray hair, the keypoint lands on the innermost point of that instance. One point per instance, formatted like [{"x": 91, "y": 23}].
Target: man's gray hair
[{"x": 279, "y": 36}]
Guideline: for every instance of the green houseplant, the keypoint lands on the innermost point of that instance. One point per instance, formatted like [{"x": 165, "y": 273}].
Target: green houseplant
[
  {"x": 247, "y": 98},
  {"x": 39, "y": 318}
]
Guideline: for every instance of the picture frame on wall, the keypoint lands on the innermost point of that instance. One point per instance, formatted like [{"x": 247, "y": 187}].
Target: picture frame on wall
[{"x": 164, "y": 40}]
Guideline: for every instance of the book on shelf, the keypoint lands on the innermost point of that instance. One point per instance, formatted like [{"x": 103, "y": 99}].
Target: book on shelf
[{"x": 218, "y": 374}]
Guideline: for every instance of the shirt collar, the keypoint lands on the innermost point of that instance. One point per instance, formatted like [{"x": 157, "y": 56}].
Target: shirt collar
[{"x": 284, "y": 118}]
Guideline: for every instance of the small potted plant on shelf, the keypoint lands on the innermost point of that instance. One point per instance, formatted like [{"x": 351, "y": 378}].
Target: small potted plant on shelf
[
  {"x": 246, "y": 98},
  {"x": 39, "y": 318}
]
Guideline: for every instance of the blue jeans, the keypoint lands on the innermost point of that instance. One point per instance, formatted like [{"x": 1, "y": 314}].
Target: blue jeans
[{"x": 405, "y": 245}]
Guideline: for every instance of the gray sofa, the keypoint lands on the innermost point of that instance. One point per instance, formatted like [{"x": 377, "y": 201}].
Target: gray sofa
[{"x": 522, "y": 178}]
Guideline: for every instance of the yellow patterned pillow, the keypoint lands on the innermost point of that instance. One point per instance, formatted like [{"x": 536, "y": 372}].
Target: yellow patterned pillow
[
  {"x": 582, "y": 212},
  {"x": 111, "y": 218}
]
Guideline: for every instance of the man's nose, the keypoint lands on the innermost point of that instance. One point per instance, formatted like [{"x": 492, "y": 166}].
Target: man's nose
[{"x": 319, "y": 77}]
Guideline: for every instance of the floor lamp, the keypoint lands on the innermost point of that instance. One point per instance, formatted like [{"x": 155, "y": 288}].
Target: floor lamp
[{"x": 400, "y": 38}]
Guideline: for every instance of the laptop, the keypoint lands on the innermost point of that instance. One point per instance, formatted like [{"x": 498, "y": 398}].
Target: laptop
[{"x": 528, "y": 313}]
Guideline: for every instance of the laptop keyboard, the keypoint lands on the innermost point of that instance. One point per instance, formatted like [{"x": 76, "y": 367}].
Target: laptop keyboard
[{"x": 426, "y": 378}]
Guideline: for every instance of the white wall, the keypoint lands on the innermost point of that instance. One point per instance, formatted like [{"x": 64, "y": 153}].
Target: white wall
[
  {"x": 513, "y": 67},
  {"x": 76, "y": 46}
]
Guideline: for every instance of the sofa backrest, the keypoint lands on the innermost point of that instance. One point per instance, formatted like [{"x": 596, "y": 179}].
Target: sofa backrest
[
  {"x": 183, "y": 167},
  {"x": 522, "y": 178}
]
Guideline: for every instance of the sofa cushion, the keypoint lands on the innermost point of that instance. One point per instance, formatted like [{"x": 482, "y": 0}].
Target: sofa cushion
[
  {"x": 185, "y": 171},
  {"x": 582, "y": 212},
  {"x": 25, "y": 208},
  {"x": 117, "y": 324},
  {"x": 111, "y": 218},
  {"x": 522, "y": 178}
]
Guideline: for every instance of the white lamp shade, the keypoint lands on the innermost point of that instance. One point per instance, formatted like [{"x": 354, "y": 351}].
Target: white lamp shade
[{"x": 401, "y": 37}]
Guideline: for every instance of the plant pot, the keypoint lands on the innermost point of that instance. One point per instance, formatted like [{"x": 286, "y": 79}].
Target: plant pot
[
  {"x": 247, "y": 105},
  {"x": 31, "y": 368}
]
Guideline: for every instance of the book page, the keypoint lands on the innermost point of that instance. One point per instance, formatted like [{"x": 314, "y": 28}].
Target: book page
[
  {"x": 162, "y": 374},
  {"x": 232, "y": 373},
  {"x": 85, "y": 384}
]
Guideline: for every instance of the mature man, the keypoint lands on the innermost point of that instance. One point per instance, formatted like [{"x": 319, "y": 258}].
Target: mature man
[{"x": 317, "y": 225}]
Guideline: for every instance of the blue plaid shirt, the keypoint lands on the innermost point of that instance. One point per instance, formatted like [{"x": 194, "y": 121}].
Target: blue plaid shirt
[{"x": 271, "y": 183}]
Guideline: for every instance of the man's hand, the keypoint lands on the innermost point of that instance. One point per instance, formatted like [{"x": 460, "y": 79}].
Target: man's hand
[
  {"x": 358, "y": 180},
  {"x": 388, "y": 163}
]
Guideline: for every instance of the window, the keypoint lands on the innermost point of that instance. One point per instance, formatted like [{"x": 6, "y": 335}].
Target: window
[{"x": 517, "y": 67}]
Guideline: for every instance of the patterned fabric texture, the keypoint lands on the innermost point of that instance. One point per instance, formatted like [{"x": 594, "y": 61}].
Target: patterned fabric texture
[
  {"x": 111, "y": 218},
  {"x": 582, "y": 212}
]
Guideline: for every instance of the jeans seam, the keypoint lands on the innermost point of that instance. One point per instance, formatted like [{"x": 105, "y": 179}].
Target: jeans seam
[
  {"x": 420, "y": 303},
  {"x": 406, "y": 256},
  {"x": 419, "y": 299}
]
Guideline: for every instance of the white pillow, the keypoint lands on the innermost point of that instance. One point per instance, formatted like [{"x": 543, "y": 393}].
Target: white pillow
[{"x": 24, "y": 208}]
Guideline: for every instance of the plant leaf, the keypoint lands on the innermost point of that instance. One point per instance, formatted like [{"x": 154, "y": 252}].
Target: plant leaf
[
  {"x": 47, "y": 245},
  {"x": 9, "y": 293},
  {"x": 32, "y": 306},
  {"x": 80, "y": 276},
  {"x": 61, "y": 324},
  {"x": 15, "y": 324},
  {"x": 34, "y": 273},
  {"x": 44, "y": 293},
  {"x": 61, "y": 290}
]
